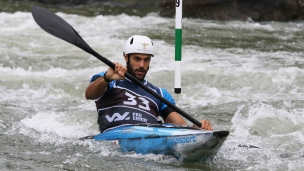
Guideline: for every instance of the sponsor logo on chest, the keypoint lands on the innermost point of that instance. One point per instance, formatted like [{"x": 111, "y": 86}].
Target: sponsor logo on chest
[
  {"x": 138, "y": 117},
  {"x": 118, "y": 117}
]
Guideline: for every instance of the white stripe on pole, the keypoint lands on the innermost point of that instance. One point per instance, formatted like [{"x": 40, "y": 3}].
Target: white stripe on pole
[{"x": 178, "y": 45}]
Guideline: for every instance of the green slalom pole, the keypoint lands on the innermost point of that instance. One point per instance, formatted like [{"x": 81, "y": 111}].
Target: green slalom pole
[{"x": 178, "y": 46}]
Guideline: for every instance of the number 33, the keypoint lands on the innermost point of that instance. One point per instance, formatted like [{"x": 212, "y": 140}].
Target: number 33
[{"x": 133, "y": 102}]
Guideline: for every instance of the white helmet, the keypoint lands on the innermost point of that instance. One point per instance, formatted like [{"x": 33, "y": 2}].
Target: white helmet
[{"x": 139, "y": 44}]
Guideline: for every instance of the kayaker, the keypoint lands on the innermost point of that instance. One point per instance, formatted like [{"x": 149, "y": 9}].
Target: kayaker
[{"x": 121, "y": 102}]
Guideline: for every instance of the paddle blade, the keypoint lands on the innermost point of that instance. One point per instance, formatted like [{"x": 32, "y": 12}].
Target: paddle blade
[{"x": 57, "y": 27}]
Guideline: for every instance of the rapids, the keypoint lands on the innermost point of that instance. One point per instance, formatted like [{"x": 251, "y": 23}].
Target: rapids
[{"x": 244, "y": 77}]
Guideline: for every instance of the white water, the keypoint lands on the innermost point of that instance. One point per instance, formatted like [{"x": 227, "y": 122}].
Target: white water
[{"x": 244, "y": 77}]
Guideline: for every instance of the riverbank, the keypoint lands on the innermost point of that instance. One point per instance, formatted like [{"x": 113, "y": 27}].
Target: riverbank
[
  {"x": 249, "y": 10},
  {"x": 223, "y": 10},
  {"x": 91, "y": 8}
]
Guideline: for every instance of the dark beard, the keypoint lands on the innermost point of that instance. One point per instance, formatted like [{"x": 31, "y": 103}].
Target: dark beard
[{"x": 131, "y": 71}]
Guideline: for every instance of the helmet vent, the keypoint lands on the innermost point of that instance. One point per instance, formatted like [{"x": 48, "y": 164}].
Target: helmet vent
[{"x": 131, "y": 42}]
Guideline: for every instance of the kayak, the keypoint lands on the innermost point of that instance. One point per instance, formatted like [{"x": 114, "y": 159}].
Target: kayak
[{"x": 183, "y": 142}]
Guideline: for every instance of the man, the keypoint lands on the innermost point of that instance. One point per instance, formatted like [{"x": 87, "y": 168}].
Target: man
[{"x": 120, "y": 102}]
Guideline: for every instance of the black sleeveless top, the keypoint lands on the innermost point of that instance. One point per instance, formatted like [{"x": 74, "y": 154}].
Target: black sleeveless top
[{"x": 126, "y": 103}]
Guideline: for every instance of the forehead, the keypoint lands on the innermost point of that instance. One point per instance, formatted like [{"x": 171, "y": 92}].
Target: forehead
[{"x": 140, "y": 55}]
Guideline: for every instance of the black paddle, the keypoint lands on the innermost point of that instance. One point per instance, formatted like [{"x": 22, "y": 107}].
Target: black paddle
[{"x": 57, "y": 27}]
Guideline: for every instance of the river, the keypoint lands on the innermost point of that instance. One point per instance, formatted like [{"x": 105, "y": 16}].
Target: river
[{"x": 244, "y": 77}]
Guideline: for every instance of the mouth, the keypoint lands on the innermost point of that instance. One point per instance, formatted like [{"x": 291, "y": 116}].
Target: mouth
[{"x": 140, "y": 72}]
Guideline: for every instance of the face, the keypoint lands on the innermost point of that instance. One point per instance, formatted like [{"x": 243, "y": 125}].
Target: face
[{"x": 138, "y": 64}]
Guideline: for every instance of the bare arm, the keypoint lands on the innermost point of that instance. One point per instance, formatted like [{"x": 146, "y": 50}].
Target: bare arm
[
  {"x": 96, "y": 89},
  {"x": 176, "y": 118},
  {"x": 99, "y": 86}
]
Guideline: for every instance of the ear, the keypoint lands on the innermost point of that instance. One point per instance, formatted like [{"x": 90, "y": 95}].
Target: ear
[{"x": 126, "y": 57}]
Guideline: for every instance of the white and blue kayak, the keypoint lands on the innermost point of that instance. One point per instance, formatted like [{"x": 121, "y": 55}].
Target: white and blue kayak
[{"x": 170, "y": 139}]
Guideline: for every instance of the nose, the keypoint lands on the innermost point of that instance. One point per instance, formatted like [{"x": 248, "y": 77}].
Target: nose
[{"x": 141, "y": 63}]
